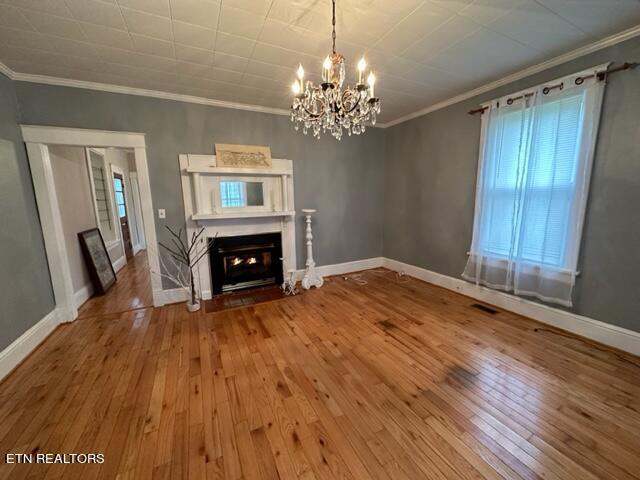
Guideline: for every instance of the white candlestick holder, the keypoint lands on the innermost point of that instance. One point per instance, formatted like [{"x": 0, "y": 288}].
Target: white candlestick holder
[{"x": 311, "y": 277}]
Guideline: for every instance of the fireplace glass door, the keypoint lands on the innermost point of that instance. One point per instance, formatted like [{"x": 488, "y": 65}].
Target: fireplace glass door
[{"x": 245, "y": 261}]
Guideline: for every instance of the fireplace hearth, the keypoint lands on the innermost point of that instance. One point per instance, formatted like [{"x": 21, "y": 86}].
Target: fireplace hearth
[{"x": 245, "y": 261}]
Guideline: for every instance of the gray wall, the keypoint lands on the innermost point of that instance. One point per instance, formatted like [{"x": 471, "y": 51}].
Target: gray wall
[
  {"x": 405, "y": 192},
  {"x": 343, "y": 180},
  {"x": 25, "y": 287},
  {"x": 430, "y": 179}
]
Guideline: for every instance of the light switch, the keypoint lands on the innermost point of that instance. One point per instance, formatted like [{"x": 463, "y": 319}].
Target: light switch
[{"x": 162, "y": 213}]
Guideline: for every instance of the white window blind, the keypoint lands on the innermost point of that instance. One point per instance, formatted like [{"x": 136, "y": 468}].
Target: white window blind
[{"x": 535, "y": 164}]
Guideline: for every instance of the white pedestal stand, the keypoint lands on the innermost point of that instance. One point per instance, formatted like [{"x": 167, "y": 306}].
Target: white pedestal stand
[{"x": 311, "y": 277}]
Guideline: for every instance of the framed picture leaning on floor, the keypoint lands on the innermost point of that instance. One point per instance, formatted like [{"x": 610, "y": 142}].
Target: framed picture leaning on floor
[{"x": 97, "y": 259}]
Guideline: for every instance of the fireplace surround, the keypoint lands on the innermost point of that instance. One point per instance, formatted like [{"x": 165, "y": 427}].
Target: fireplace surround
[{"x": 201, "y": 191}]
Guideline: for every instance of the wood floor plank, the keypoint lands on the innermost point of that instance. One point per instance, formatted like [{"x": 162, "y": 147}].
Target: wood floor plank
[{"x": 393, "y": 379}]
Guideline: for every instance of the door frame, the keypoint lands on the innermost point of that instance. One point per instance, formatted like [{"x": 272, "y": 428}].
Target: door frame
[
  {"x": 110, "y": 196},
  {"x": 135, "y": 194},
  {"x": 37, "y": 138},
  {"x": 115, "y": 169}
]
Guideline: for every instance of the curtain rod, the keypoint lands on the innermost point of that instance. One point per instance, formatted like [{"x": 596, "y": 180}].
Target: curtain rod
[{"x": 578, "y": 81}]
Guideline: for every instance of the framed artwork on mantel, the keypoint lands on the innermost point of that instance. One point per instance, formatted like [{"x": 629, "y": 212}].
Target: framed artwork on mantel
[{"x": 243, "y": 156}]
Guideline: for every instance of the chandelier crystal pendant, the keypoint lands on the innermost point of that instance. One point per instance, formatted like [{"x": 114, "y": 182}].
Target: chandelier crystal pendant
[{"x": 329, "y": 107}]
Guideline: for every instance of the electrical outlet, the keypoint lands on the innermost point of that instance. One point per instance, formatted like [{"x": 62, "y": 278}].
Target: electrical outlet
[{"x": 162, "y": 213}]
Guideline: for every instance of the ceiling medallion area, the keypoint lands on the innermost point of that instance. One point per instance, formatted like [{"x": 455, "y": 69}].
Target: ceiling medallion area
[{"x": 331, "y": 106}]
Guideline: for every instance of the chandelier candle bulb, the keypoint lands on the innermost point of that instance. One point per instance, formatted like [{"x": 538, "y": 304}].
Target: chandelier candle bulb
[
  {"x": 301, "y": 77},
  {"x": 371, "y": 80},
  {"x": 362, "y": 65},
  {"x": 326, "y": 68}
]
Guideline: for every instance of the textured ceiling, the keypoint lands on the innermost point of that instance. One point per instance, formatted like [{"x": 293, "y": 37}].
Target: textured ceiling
[{"x": 246, "y": 51}]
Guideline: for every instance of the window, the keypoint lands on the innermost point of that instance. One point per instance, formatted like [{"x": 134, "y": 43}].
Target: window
[
  {"x": 537, "y": 222},
  {"x": 232, "y": 194},
  {"x": 240, "y": 194},
  {"x": 118, "y": 187},
  {"x": 535, "y": 164},
  {"x": 101, "y": 196}
]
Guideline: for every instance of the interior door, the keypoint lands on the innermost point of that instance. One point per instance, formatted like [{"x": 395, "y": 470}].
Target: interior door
[{"x": 121, "y": 208}]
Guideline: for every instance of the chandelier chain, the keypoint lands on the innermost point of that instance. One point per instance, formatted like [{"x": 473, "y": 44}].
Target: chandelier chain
[{"x": 333, "y": 23}]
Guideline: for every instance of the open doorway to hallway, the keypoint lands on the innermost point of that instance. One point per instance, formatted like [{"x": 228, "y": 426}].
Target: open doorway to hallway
[{"x": 98, "y": 188}]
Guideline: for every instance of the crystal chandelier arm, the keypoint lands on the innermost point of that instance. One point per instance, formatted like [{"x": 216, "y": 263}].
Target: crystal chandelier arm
[
  {"x": 311, "y": 114},
  {"x": 356, "y": 104}
]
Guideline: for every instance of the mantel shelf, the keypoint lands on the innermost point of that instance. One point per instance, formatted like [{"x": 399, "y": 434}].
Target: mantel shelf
[
  {"x": 259, "y": 172},
  {"x": 229, "y": 216}
]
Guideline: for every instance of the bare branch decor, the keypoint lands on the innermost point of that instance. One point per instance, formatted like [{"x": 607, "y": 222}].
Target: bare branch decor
[{"x": 181, "y": 257}]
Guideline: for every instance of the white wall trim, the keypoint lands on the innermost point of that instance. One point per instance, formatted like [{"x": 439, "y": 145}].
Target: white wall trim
[
  {"x": 605, "y": 333},
  {"x": 553, "y": 62},
  {"x": 11, "y": 356},
  {"x": 81, "y": 137},
  {"x": 7, "y": 71},
  {"x": 82, "y": 295},
  {"x": 346, "y": 267},
  {"x": 135, "y": 193},
  {"x": 52, "y": 229},
  {"x": 141, "y": 92},
  {"x": 171, "y": 295},
  {"x": 119, "y": 263}
]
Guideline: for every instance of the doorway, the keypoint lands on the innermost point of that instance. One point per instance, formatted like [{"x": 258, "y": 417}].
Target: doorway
[
  {"x": 38, "y": 139},
  {"x": 120, "y": 198}
]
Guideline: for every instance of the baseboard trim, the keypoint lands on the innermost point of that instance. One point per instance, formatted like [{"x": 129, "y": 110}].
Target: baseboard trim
[
  {"x": 346, "y": 267},
  {"x": 20, "y": 349},
  {"x": 176, "y": 295},
  {"x": 611, "y": 335},
  {"x": 168, "y": 296},
  {"x": 119, "y": 263},
  {"x": 82, "y": 295}
]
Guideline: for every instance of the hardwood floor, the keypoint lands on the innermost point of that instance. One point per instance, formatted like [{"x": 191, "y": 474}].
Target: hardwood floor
[
  {"x": 383, "y": 381},
  {"x": 132, "y": 290}
]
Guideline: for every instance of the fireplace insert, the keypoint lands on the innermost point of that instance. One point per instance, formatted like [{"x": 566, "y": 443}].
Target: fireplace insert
[{"x": 245, "y": 261}]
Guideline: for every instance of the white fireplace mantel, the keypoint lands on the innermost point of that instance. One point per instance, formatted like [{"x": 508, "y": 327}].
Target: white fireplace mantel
[{"x": 200, "y": 191}]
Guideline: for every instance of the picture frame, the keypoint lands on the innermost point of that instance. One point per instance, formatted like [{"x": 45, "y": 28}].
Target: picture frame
[
  {"x": 243, "y": 156},
  {"x": 101, "y": 271}
]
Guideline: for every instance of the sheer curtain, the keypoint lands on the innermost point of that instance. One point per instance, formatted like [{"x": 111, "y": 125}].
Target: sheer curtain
[{"x": 533, "y": 179}]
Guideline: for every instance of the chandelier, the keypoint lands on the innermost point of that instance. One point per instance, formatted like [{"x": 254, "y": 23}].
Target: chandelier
[{"x": 330, "y": 108}]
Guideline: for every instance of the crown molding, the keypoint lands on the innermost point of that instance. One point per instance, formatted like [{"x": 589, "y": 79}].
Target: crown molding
[
  {"x": 7, "y": 71},
  {"x": 559, "y": 60},
  {"x": 103, "y": 87}
]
